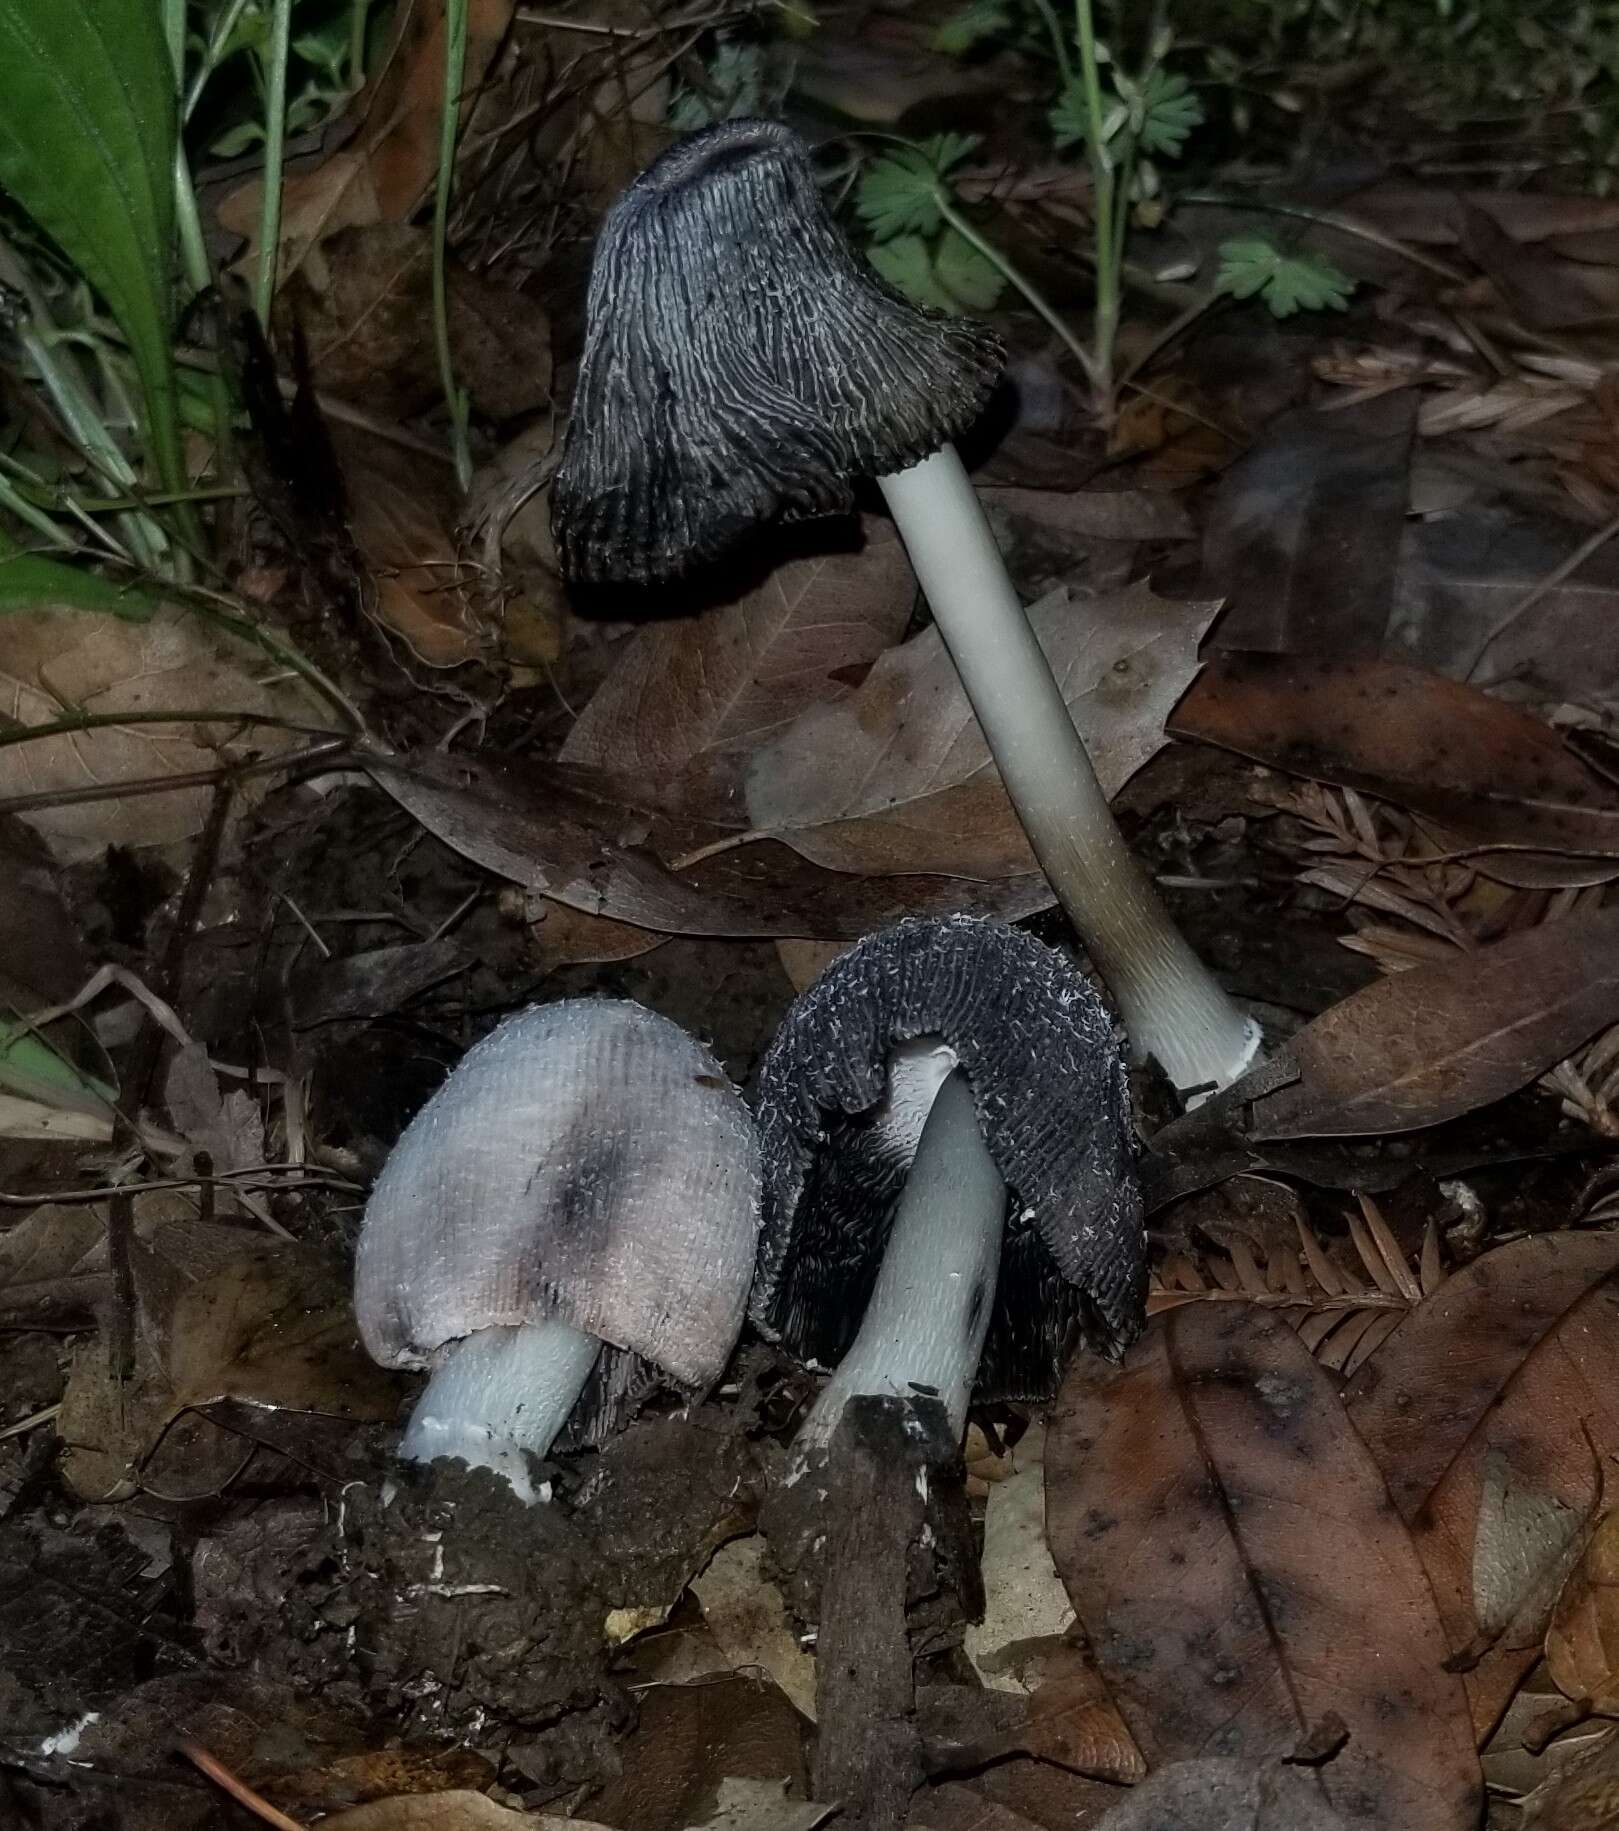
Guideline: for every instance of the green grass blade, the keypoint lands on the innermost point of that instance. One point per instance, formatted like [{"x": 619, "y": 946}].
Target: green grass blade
[
  {"x": 88, "y": 131},
  {"x": 29, "y": 581}
]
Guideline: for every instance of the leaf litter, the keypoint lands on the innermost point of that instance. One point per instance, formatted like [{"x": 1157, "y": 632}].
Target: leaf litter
[{"x": 1335, "y": 1544}]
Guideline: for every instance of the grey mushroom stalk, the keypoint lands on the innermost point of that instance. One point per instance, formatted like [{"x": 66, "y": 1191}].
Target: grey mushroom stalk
[
  {"x": 572, "y": 1214},
  {"x": 743, "y": 364},
  {"x": 950, "y": 1192}
]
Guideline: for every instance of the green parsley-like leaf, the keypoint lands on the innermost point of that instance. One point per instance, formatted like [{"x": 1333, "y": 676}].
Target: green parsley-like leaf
[
  {"x": 905, "y": 263},
  {"x": 977, "y": 20},
  {"x": 951, "y": 276},
  {"x": 902, "y": 192},
  {"x": 1286, "y": 282},
  {"x": 972, "y": 281},
  {"x": 1169, "y": 112},
  {"x": 1069, "y": 117}
]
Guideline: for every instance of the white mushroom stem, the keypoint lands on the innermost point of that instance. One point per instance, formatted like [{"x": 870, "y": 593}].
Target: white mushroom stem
[
  {"x": 925, "y": 1324},
  {"x": 498, "y": 1394},
  {"x": 1171, "y": 1005}
]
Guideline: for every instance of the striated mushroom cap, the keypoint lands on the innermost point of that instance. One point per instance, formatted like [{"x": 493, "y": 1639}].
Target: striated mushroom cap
[
  {"x": 1047, "y": 1071},
  {"x": 742, "y": 363},
  {"x": 588, "y": 1161}
]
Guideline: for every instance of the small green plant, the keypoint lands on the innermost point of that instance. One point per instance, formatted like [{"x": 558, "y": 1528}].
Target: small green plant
[
  {"x": 1126, "y": 123},
  {"x": 1285, "y": 282}
]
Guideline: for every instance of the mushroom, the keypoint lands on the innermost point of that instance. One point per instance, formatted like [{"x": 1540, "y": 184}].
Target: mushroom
[
  {"x": 578, "y": 1200},
  {"x": 742, "y": 363},
  {"x": 950, "y": 1190}
]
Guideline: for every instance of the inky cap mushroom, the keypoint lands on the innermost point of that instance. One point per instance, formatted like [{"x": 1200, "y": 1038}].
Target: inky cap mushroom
[
  {"x": 742, "y": 363},
  {"x": 587, "y": 1175},
  {"x": 1004, "y": 1028}
]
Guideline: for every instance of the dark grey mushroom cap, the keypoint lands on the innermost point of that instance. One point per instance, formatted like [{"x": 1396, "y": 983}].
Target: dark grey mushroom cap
[
  {"x": 742, "y": 363},
  {"x": 1046, "y": 1067},
  {"x": 588, "y": 1161}
]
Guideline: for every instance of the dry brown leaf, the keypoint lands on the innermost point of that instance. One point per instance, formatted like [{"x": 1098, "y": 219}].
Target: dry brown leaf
[
  {"x": 384, "y": 172},
  {"x": 1304, "y": 530},
  {"x": 898, "y": 778},
  {"x": 222, "y": 1315},
  {"x": 53, "y": 1268},
  {"x": 748, "y": 1619},
  {"x": 1224, "y": 1795},
  {"x": 1024, "y": 1600},
  {"x": 1084, "y": 515},
  {"x": 1582, "y": 1643},
  {"x": 1444, "y": 1038},
  {"x": 59, "y": 661},
  {"x": 228, "y": 1126},
  {"x": 1068, "y": 1720},
  {"x": 566, "y": 834},
  {"x": 364, "y": 303},
  {"x": 804, "y": 961},
  {"x": 1542, "y": 291},
  {"x": 1491, "y": 773},
  {"x": 401, "y": 514},
  {"x": 1229, "y": 1547},
  {"x": 690, "y": 1740},
  {"x": 1544, "y": 1422},
  {"x": 1451, "y": 1363},
  {"x": 696, "y": 692},
  {"x": 453, "y": 1811}
]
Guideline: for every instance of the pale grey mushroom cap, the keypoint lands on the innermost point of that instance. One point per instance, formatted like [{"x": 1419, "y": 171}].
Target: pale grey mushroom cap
[
  {"x": 1046, "y": 1067},
  {"x": 587, "y": 1162}
]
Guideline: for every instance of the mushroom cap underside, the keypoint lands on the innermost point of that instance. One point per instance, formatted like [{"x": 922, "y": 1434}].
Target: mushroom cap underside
[
  {"x": 1047, "y": 1072},
  {"x": 588, "y": 1161},
  {"x": 743, "y": 363}
]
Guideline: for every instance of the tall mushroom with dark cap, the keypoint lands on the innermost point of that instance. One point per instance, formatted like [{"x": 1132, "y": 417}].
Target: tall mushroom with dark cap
[
  {"x": 576, "y": 1206},
  {"x": 742, "y": 363},
  {"x": 950, "y": 1192}
]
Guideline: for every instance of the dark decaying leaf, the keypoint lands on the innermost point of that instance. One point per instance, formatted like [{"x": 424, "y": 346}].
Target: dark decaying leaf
[
  {"x": 223, "y": 1314},
  {"x": 1225, "y": 1795},
  {"x": 1545, "y": 293},
  {"x": 688, "y": 1740},
  {"x": 1489, "y": 773},
  {"x": 1087, "y": 515},
  {"x": 1068, "y": 1719},
  {"x": 898, "y": 778},
  {"x": 1228, "y": 1545},
  {"x": 1465, "y": 582},
  {"x": 1304, "y": 538},
  {"x": 53, "y": 1268},
  {"x": 1442, "y": 1039},
  {"x": 697, "y": 690},
  {"x": 1527, "y": 1351},
  {"x": 559, "y": 832}
]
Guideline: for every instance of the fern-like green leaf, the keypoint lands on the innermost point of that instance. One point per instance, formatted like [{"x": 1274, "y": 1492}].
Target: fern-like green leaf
[
  {"x": 1286, "y": 282},
  {"x": 1169, "y": 112}
]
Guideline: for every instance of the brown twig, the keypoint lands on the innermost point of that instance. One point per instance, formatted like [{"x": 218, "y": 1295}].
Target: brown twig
[{"x": 239, "y": 1790}]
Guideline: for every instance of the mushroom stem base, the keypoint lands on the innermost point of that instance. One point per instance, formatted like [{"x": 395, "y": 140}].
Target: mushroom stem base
[
  {"x": 500, "y": 1396},
  {"x": 924, "y": 1327},
  {"x": 1171, "y": 1004}
]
